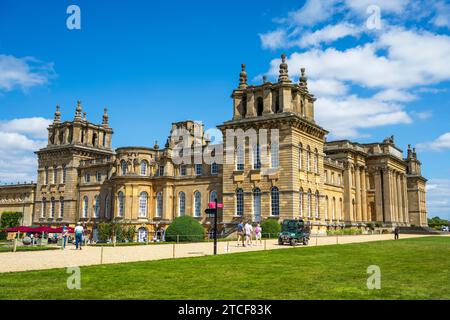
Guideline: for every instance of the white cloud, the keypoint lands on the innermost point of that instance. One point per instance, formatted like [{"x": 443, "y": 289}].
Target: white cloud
[
  {"x": 328, "y": 34},
  {"x": 386, "y": 6},
  {"x": 438, "y": 198},
  {"x": 327, "y": 87},
  {"x": 441, "y": 143},
  {"x": 35, "y": 127},
  {"x": 442, "y": 17},
  {"x": 346, "y": 116},
  {"x": 23, "y": 73},
  {"x": 274, "y": 39},
  {"x": 312, "y": 12},
  {"x": 394, "y": 95}
]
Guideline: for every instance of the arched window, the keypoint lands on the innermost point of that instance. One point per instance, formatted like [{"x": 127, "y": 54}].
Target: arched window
[
  {"x": 144, "y": 166},
  {"x": 44, "y": 207},
  {"x": 214, "y": 168},
  {"x": 257, "y": 204},
  {"x": 333, "y": 209},
  {"x": 159, "y": 204},
  {"x": 309, "y": 203},
  {"x": 124, "y": 167},
  {"x": 61, "y": 207},
  {"x": 256, "y": 157},
  {"x": 161, "y": 171},
  {"x": 308, "y": 159},
  {"x": 275, "y": 201},
  {"x": 143, "y": 198},
  {"x": 181, "y": 204},
  {"x": 300, "y": 203},
  {"x": 107, "y": 207},
  {"x": 274, "y": 155},
  {"x": 121, "y": 200},
  {"x": 213, "y": 196},
  {"x": 239, "y": 202},
  {"x": 52, "y": 207},
  {"x": 96, "y": 206},
  {"x": 316, "y": 161},
  {"x": 316, "y": 204},
  {"x": 259, "y": 106},
  {"x": 326, "y": 207},
  {"x": 240, "y": 158},
  {"x": 300, "y": 156},
  {"x": 197, "y": 204},
  {"x": 85, "y": 206}
]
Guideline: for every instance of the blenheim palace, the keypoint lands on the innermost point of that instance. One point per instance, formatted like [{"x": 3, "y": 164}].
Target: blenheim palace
[{"x": 330, "y": 185}]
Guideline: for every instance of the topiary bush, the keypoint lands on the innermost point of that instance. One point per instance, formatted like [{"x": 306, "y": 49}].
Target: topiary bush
[
  {"x": 186, "y": 228},
  {"x": 270, "y": 228}
]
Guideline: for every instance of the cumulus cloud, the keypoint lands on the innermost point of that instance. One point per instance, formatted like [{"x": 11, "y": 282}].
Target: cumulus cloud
[
  {"x": 395, "y": 95},
  {"x": 19, "y": 139},
  {"x": 328, "y": 34},
  {"x": 23, "y": 73},
  {"x": 438, "y": 199},
  {"x": 441, "y": 143},
  {"x": 274, "y": 39}
]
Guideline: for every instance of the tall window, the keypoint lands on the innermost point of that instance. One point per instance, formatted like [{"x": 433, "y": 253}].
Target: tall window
[
  {"x": 300, "y": 203},
  {"x": 143, "y": 199},
  {"x": 214, "y": 168},
  {"x": 52, "y": 207},
  {"x": 124, "y": 167},
  {"x": 96, "y": 206},
  {"x": 257, "y": 203},
  {"x": 159, "y": 204},
  {"x": 161, "y": 171},
  {"x": 256, "y": 157},
  {"x": 198, "y": 169},
  {"x": 87, "y": 177},
  {"x": 61, "y": 207},
  {"x": 326, "y": 207},
  {"x": 55, "y": 174},
  {"x": 275, "y": 201},
  {"x": 239, "y": 202},
  {"x": 181, "y": 204},
  {"x": 240, "y": 158},
  {"x": 333, "y": 209},
  {"x": 308, "y": 159},
  {"x": 316, "y": 204},
  {"x": 98, "y": 176},
  {"x": 213, "y": 196},
  {"x": 143, "y": 168},
  {"x": 197, "y": 204},
  {"x": 46, "y": 175},
  {"x": 309, "y": 203},
  {"x": 107, "y": 207},
  {"x": 121, "y": 202},
  {"x": 300, "y": 157},
  {"x": 85, "y": 207},
  {"x": 274, "y": 155},
  {"x": 44, "y": 207},
  {"x": 182, "y": 170},
  {"x": 316, "y": 161},
  {"x": 340, "y": 209},
  {"x": 64, "y": 173}
]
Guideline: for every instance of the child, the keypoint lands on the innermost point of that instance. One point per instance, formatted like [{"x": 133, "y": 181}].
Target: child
[{"x": 258, "y": 234}]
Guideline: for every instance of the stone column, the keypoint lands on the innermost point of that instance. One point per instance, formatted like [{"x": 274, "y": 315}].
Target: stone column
[
  {"x": 347, "y": 192},
  {"x": 400, "y": 199},
  {"x": 358, "y": 194},
  {"x": 378, "y": 195},
  {"x": 267, "y": 100},
  {"x": 250, "y": 103},
  {"x": 387, "y": 195},
  {"x": 364, "y": 195},
  {"x": 405, "y": 194}
]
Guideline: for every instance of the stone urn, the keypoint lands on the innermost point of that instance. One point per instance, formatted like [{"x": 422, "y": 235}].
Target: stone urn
[{"x": 26, "y": 241}]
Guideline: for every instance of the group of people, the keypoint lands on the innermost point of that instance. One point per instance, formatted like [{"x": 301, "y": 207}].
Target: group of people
[{"x": 246, "y": 232}]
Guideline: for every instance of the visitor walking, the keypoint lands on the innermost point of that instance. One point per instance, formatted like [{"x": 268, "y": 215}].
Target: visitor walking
[
  {"x": 396, "y": 232},
  {"x": 79, "y": 230},
  {"x": 240, "y": 234},
  {"x": 258, "y": 234},
  {"x": 65, "y": 233},
  {"x": 248, "y": 233}
]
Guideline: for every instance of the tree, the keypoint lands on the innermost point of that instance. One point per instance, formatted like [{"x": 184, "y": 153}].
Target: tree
[
  {"x": 186, "y": 228},
  {"x": 10, "y": 219},
  {"x": 270, "y": 228}
]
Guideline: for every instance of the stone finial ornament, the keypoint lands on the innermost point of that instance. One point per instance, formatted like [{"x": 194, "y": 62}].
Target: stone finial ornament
[
  {"x": 105, "y": 121},
  {"x": 156, "y": 146},
  {"x": 303, "y": 81},
  {"x": 84, "y": 116},
  {"x": 283, "y": 77},
  {"x": 264, "y": 78},
  {"x": 57, "y": 115},
  {"x": 243, "y": 77},
  {"x": 78, "y": 111}
]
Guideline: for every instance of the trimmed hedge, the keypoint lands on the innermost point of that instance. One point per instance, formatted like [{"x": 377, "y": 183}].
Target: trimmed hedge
[
  {"x": 186, "y": 228},
  {"x": 270, "y": 226}
]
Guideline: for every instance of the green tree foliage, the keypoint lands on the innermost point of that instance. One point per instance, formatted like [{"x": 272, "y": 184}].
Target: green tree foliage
[
  {"x": 270, "y": 226},
  {"x": 186, "y": 228},
  {"x": 10, "y": 219}
]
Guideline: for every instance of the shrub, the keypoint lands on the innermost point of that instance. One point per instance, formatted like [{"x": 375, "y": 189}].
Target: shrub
[
  {"x": 104, "y": 231},
  {"x": 186, "y": 228},
  {"x": 270, "y": 228},
  {"x": 10, "y": 219},
  {"x": 371, "y": 226}
]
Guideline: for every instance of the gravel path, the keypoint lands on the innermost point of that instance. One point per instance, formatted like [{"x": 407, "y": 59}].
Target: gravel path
[{"x": 38, "y": 260}]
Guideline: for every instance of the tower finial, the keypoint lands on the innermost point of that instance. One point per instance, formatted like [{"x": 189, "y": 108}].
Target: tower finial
[
  {"x": 78, "y": 111},
  {"x": 57, "y": 115},
  {"x": 303, "y": 81},
  {"x": 85, "y": 116},
  {"x": 243, "y": 78},
  {"x": 105, "y": 121},
  {"x": 283, "y": 77},
  {"x": 156, "y": 146}
]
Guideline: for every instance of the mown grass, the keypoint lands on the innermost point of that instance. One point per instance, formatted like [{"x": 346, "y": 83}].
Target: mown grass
[
  {"x": 26, "y": 248},
  {"x": 416, "y": 268}
]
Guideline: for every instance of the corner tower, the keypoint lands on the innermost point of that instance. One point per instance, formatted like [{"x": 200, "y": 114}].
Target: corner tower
[{"x": 416, "y": 183}]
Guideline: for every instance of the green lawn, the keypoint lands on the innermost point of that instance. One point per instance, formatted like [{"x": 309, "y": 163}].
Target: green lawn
[
  {"x": 26, "y": 248},
  {"x": 410, "y": 269}
]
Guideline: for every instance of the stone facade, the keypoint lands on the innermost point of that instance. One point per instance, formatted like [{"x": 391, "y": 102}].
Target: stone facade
[{"x": 328, "y": 184}]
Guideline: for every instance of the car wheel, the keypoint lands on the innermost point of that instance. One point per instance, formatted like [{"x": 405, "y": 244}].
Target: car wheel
[
  {"x": 280, "y": 242},
  {"x": 293, "y": 242},
  {"x": 305, "y": 242}
]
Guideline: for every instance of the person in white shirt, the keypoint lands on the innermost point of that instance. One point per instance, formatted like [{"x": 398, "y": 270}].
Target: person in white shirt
[
  {"x": 248, "y": 229},
  {"x": 78, "y": 235}
]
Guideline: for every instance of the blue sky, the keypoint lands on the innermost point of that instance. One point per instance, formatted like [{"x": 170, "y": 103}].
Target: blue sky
[{"x": 153, "y": 63}]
